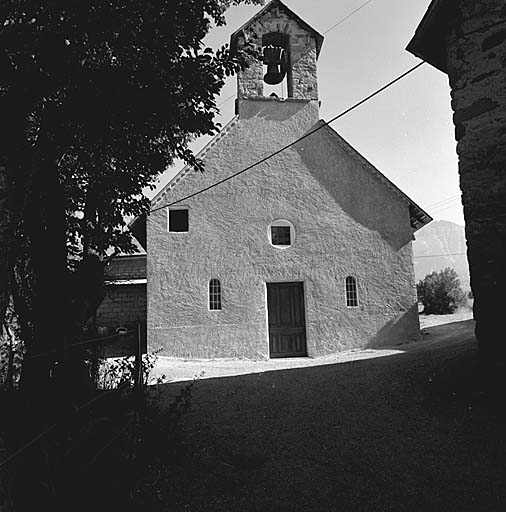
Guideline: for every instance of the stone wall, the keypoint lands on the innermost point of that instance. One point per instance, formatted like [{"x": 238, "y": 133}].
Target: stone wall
[
  {"x": 302, "y": 79},
  {"x": 476, "y": 65},
  {"x": 123, "y": 305},
  {"x": 348, "y": 221}
]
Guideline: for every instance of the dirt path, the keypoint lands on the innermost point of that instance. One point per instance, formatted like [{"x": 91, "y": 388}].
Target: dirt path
[
  {"x": 186, "y": 370},
  {"x": 399, "y": 433}
]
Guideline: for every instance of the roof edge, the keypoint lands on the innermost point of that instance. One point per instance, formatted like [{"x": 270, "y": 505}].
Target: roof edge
[
  {"x": 124, "y": 256},
  {"x": 123, "y": 282},
  {"x": 418, "y": 216},
  {"x": 137, "y": 227},
  {"x": 187, "y": 168},
  {"x": 428, "y": 40},
  {"x": 319, "y": 37}
]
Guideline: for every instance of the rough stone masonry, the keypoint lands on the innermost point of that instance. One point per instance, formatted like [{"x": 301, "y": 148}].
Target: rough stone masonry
[{"x": 476, "y": 62}]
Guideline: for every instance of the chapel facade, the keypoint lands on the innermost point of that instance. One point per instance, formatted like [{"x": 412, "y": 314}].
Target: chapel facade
[{"x": 306, "y": 254}]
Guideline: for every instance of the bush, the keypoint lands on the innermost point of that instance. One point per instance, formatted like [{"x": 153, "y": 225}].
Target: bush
[
  {"x": 441, "y": 293},
  {"x": 11, "y": 351}
]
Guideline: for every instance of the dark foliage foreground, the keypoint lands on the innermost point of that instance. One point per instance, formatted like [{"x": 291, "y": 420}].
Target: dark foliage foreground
[
  {"x": 97, "y": 99},
  {"x": 107, "y": 455}
]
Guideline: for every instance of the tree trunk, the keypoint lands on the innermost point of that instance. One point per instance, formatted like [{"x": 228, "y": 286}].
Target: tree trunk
[
  {"x": 6, "y": 236},
  {"x": 45, "y": 226}
]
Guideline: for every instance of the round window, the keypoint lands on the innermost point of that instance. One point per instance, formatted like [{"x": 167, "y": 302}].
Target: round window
[{"x": 281, "y": 234}]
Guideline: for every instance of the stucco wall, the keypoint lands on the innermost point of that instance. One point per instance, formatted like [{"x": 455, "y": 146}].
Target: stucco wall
[
  {"x": 347, "y": 222},
  {"x": 476, "y": 65}
]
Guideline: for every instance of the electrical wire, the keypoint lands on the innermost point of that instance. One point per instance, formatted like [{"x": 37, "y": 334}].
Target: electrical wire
[
  {"x": 342, "y": 20},
  {"x": 346, "y": 17},
  {"x": 72, "y": 345},
  {"x": 305, "y": 136},
  {"x": 224, "y": 101},
  {"x": 118, "y": 434},
  {"x": 442, "y": 201},
  {"x": 445, "y": 206},
  {"x": 49, "y": 429},
  {"x": 440, "y": 255}
]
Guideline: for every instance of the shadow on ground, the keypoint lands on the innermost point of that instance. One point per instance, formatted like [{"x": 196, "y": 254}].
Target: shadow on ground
[{"x": 409, "y": 432}]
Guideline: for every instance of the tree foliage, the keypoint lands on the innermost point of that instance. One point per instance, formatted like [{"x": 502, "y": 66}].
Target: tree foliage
[
  {"x": 97, "y": 99},
  {"x": 440, "y": 292},
  {"x": 111, "y": 92}
]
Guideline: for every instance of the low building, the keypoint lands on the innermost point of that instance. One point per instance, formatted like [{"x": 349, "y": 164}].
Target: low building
[{"x": 124, "y": 305}]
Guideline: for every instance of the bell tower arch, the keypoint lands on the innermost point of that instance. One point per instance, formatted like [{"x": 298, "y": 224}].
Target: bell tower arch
[{"x": 288, "y": 50}]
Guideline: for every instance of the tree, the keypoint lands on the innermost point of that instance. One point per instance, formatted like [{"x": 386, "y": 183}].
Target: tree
[
  {"x": 97, "y": 99},
  {"x": 440, "y": 292}
]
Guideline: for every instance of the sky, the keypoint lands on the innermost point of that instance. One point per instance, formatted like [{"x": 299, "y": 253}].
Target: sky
[{"x": 407, "y": 131}]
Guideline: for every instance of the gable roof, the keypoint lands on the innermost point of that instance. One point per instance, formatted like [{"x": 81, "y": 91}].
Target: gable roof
[
  {"x": 429, "y": 42},
  {"x": 418, "y": 217},
  {"x": 138, "y": 229},
  {"x": 126, "y": 269},
  {"x": 272, "y": 4},
  {"x": 187, "y": 168},
  {"x": 138, "y": 225}
]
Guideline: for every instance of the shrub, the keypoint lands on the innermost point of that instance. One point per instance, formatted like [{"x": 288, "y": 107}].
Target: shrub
[
  {"x": 11, "y": 351},
  {"x": 440, "y": 292},
  {"x": 113, "y": 372}
]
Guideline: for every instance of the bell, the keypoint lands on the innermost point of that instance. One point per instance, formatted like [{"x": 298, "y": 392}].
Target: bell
[
  {"x": 274, "y": 57},
  {"x": 273, "y": 75}
]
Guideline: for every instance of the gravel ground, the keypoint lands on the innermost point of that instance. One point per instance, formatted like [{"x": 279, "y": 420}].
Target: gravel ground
[
  {"x": 403, "y": 432},
  {"x": 175, "y": 369},
  {"x": 459, "y": 316}
]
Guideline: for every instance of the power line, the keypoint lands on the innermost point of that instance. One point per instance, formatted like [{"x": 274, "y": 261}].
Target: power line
[
  {"x": 443, "y": 207},
  {"x": 445, "y": 204},
  {"x": 49, "y": 429},
  {"x": 111, "y": 441},
  {"x": 346, "y": 17},
  {"x": 80, "y": 344},
  {"x": 224, "y": 101},
  {"x": 443, "y": 201},
  {"x": 342, "y": 20},
  {"x": 438, "y": 211},
  {"x": 284, "y": 148},
  {"x": 439, "y": 255}
]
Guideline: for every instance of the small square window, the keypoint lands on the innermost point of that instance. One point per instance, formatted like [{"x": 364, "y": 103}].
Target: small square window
[
  {"x": 178, "y": 220},
  {"x": 280, "y": 235}
]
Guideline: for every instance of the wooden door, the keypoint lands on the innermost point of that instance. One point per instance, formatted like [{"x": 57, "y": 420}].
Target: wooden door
[{"x": 287, "y": 322}]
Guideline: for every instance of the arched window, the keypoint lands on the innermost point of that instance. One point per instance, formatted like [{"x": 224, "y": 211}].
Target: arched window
[
  {"x": 214, "y": 295},
  {"x": 351, "y": 292}
]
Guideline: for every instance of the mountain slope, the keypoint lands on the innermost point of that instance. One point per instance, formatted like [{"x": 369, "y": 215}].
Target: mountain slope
[{"x": 438, "y": 245}]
